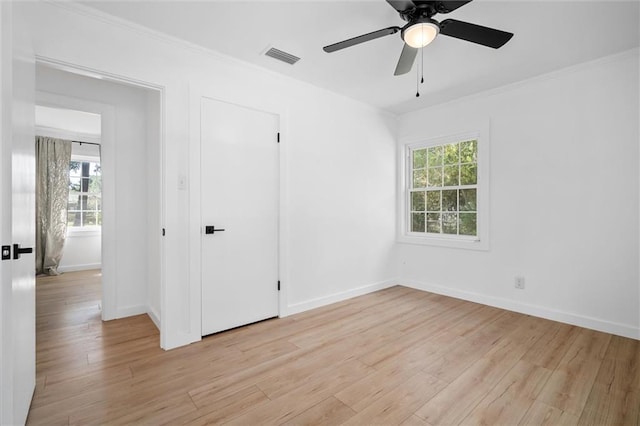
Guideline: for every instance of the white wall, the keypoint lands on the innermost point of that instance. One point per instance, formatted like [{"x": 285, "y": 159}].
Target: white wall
[
  {"x": 131, "y": 185},
  {"x": 564, "y": 198},
  {"x": 82, "y": 251},
  {"x": 338, "y": 198}
]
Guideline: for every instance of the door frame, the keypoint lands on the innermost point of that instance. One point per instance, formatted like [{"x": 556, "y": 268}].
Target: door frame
[
  {"x": 107, "y": 162},
  {"x": 196, "y": 95},
  {"x": 108, "y": 111}
]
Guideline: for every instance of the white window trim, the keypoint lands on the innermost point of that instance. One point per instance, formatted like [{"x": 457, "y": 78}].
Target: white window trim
[{"x": 479, "y": 242}]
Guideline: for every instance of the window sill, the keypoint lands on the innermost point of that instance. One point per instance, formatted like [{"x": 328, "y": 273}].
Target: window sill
[
  {"x": 81, "y": 233},
  {"x": 456, "y": 242}
]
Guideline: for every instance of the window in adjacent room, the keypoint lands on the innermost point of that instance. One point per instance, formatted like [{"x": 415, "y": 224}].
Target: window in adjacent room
[{"x": 85, "y": 193}]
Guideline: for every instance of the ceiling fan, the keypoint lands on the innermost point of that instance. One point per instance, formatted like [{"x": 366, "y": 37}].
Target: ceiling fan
[{"x": 421, "y": 29}]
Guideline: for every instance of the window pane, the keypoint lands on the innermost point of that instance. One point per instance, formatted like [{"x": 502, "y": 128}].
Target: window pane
[
  {"x": 451, "y": 153},
  {"x": 74, "y": 184},
  {"x": 467, "y": 200},
  {"x": 435, "y": 156},
  {"x": 95, "y": 184},
  {"x": 74, "y": 218},
  {"x": 85, "y": 184},
  {"x": 99, "y": 218},
  {"x": 451, "y": 175},
  {"x": 93, "y": 203},
  {"x": 449, "y": 223},
  {"x": 435, "y": 176},
  {"x": 433, "y": 201},
  {"x": 419, "y": 158},
  {"x": 419, "y": 178},
  {"x": 73, "y": 201},
  {"x": 433, "y": 223},
  {"x": 83, "y": 202},
  {"x": 94, "y": 169},
  {"x": 74, "y": 168},
  {"x": 417, "y": 201},
  {"x": 450, "y": 200},
  {"x": 468, "y": 174},
  {"x": 417, "y": 222},
  {"x": 468, "y": 224},
  {"x": 89, "y": 219},
  {"x": 469, "y": 152}
]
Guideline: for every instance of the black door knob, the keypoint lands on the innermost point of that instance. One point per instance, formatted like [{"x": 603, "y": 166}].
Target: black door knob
[
  {"x": 211, "y": 229},
  {"x": 17, "y": 251}
]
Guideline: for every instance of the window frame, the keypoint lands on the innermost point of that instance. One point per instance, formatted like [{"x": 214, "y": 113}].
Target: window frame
[
  {"x": 478, "y": 242},
  {"x": 91, "y": 230}
]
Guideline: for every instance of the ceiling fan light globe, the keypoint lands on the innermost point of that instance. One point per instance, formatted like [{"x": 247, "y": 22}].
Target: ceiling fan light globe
[{"x": 420, "y": 34}]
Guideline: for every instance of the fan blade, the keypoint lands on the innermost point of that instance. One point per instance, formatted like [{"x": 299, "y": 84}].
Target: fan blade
[
  {"x": 361, "y": 39},
  {"x": 401, "y": 5},
  {"x": 474, "y": 33},
  {"x": 449, "y": 6},
  {"x": 407, "y": 57}
]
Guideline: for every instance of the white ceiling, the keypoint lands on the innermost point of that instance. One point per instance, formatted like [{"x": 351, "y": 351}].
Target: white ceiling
[{"x": 549, "y": 35}]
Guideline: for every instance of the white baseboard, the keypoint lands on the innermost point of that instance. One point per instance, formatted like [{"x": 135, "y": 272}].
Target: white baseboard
[
  {"x": 336, "y": 297},
  {"x": 74, "y": 268},
  {"x": 129, "y": 311},
  {"x": 534, "y": 310},
  {"x": 153, "y": 314}
]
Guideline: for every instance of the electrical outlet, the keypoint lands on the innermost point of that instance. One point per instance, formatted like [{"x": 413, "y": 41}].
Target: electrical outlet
[{"x": 519, "y": 282}]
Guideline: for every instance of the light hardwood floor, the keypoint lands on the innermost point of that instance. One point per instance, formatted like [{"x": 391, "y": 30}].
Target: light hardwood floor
[{"x": 397, "y": 356}]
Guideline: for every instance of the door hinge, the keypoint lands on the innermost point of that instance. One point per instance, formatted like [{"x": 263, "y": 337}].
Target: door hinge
[
  {"x": 163, "y": 232},
  {"x": 278, "y": 137},
  {"x": 278, "y": 285}
]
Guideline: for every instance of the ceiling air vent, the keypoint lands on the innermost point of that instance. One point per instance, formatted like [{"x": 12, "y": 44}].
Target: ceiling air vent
[{"x": 282, "y": 56}]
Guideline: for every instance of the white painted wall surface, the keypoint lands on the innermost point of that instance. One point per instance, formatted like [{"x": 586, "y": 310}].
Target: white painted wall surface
[
  {"x": 130, "y": 181},
  {"x": 82, "y": 251},
  {"x": 340, "y": 160},
  {"x": 564, "y": 198}
]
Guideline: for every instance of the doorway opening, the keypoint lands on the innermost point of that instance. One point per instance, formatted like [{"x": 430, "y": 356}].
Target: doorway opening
[{"x": 111, "y": 265}]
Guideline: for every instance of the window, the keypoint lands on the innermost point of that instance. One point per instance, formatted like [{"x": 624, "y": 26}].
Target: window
[
  {"x": 85, "y": 193},
  {"x": 444, "y": 192}
]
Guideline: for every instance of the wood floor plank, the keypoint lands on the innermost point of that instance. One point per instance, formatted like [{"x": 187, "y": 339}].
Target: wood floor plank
[
  {"x": 223, "y": 409},
  {"x": 294, "y": 403},
  {"x": 610, "y": 406},
  {"x": 400, "y": 403},
  {"x": 541, "y": 414},
  {"x": 396, "y": 356},
  {"x": 329, "y": 412},
  {"x": 512, "y": 396},
  {"x": 570, "y": 384}
]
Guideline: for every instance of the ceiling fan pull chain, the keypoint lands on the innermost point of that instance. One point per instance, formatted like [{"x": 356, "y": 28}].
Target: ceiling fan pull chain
[
  {"x": 417, "y": 82},
  {"x": 422, "y": 57}
]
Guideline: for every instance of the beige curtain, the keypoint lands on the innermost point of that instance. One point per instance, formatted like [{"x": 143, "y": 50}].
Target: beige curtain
[{"x": 52, "y": 195}]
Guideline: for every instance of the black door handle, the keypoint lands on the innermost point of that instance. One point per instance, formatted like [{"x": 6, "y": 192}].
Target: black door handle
[
  {"x": 17, "y": 251},
  {"x": 211, "y": 229}
]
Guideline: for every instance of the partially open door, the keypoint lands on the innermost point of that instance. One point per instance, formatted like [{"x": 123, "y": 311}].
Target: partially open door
[{"x": 17, "y": 187}]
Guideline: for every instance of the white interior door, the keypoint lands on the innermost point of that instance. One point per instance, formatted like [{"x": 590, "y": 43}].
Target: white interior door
[
  {"x": 239, "y": 193},
  {"x": 18, "y": 198}
]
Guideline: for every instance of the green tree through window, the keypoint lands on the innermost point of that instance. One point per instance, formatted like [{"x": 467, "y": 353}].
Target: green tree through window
[{"x": 443, "y": 189}]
